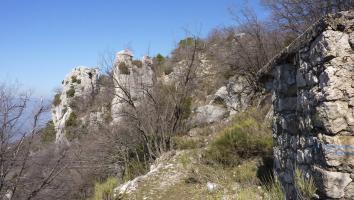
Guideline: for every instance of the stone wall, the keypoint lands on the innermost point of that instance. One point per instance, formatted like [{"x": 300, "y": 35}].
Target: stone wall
[{"x": 312, "y": 84}]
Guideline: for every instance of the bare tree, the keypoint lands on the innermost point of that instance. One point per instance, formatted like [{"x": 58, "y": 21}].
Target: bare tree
[
  {"x": 17, "y": 180},
  {"x": 294, "y": 16},
  {"x": 153, "y": 110},
  {"x": 246, "y": 47}
]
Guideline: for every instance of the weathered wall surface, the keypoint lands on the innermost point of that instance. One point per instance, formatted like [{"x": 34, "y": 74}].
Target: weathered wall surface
[{"x": 312, "y": 82}]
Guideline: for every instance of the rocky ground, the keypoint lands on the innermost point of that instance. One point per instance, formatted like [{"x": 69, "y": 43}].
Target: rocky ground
[{"x": 184, "y": 174}]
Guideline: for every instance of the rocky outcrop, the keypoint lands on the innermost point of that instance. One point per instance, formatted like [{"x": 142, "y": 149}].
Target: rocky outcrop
[
  {"x": 312, "y": 82},
  {"x": 236, "y": 96},
  {"x": 81, "y": 87},
  {"x": 208, "y": 114},
  {"x": 130, "y": 77},
  {"x": 80, "y": 82},
  {"x": 164, "y": 174}
]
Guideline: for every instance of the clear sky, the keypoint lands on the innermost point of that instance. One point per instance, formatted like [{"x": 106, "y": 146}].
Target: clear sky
[{"x": 42, "y": 40}]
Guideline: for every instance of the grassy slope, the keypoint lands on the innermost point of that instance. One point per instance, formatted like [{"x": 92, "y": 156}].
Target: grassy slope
[{"x": 184, "y": 174}]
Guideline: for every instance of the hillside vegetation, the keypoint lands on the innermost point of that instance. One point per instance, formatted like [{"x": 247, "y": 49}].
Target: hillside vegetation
[
  {"x": 194, "y": 124},
  {"x": 232, "y": 160}
]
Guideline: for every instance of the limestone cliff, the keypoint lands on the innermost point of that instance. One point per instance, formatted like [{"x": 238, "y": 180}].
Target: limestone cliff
[
  {"x": 81, "y": 87},
  {"x": 133, "y": 77},
  {"x": 80, "y": 82},
  {"x": 137, "y": 77}
]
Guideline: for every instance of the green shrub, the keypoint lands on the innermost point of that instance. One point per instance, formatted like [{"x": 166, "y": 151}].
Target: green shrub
[
  {"x": 159, "y": 59},
  {"x": 161, "y": 65},
  {"x": 305, "y": 187},
  {"x": 245, "y": 139},
  {"x": 76, "y": 132},
  {"x": 274, "y": 190},
  {"x": 65, "y": 109},
  {"x": 186, "y": 107},
  {"x": 73, "y": 79},
  {"x": 105, "y": 190},
  {"x": 246, "y": 172},
  {"x": 185, "y": 159},
  {"x": 48, "y": 133},
  {"x": 133, "y": 169},
  {"x": 56, "y": 100},
  {"x": 72, "y": 120},
  {"x": 189, "y": 42},
  {"x": 123, "y": 68},
  {"x": 251, "y": 193},
  {"x": 70, "y": 92},
  {"x": 185, "y": 142},
  {"x": 137, "y": 63}
]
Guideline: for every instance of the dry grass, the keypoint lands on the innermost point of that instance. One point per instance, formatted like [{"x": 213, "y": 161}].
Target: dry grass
[
  {"x": 104, "y": 191},
  {"x": 306, "y": 188}
]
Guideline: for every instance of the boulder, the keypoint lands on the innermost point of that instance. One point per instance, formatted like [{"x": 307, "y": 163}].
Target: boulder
[
  {"x": 349, "y": 191},
  {"x": 208, "y": 114},
  {"x": 236, "y": 95},
  {"x": 333, "y": 183}
]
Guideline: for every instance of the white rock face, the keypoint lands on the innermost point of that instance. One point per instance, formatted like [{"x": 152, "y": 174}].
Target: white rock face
[
  {"x": 135, "y": 81},
  {"x": 236, "y": 95},
  {"x": 165, "y": 172},
  {"x": 80, "y": 82},
  {"x": 228, "y": 100},
  {"x": 208, "y": 114}
]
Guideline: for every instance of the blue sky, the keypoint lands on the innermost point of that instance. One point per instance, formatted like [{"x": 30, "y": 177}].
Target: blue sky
[{"x": 42, "y": 40}]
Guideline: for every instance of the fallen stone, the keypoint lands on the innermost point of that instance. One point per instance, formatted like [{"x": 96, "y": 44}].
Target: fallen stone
[{"x": 333, "y": 183}]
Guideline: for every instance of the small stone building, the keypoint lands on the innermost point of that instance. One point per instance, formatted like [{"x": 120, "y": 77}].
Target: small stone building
[
  {"x": 124, "y": 56},
  {"x": 312, "y": 84}
]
